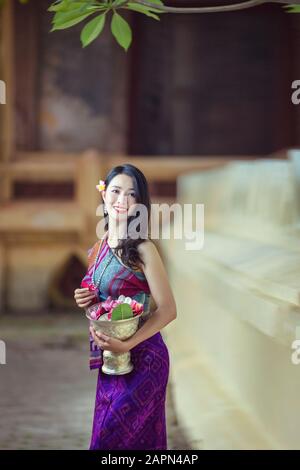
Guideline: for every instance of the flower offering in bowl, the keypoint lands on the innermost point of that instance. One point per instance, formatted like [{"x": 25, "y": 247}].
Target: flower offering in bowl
[{"x": 118, "y": 318}]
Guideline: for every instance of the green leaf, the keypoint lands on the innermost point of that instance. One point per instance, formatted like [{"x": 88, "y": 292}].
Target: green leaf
[
  {"x": 66, "y": 19},
  {"x": 142, "y": 9},
  {"x": 121, "y": 31},
  {"x": 292, "y": 8},
  {"x": 139, "y": 7},
  {"x": 68, "y": 5},
  {"x": 118, "y": 2},
  {"x": 59, "y": 6},
  {"x": 158, "y": 2},
  {"x": 71, "y": 22},
  {"x": 65, "y": 15},
  {"x": 74, "y": 10},
  {"x": 92, "y": 30},
  {"x": 121, "y": 312}
]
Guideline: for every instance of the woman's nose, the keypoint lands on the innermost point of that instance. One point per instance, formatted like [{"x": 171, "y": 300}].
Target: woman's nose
[{"x": 122, "y": 200}]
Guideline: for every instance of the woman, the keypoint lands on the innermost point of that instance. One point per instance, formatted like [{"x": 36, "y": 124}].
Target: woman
[{"x": 129, "y": 409}]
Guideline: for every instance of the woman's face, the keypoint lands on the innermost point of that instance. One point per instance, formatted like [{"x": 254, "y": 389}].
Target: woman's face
[{"x": 120, "y": 197}]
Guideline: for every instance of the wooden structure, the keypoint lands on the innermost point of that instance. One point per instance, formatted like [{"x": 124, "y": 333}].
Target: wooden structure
[{"x": 67, "y": 122}]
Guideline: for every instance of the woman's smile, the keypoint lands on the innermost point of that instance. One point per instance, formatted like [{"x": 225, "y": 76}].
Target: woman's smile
[{"x": 120, "y": 210}]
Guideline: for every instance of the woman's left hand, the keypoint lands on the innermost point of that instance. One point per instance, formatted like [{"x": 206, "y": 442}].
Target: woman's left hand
[{"x": 108, "y": 343}]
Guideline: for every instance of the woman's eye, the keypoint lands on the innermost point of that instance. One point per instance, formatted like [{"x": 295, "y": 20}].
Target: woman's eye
[{"x": 116, "y": 191}]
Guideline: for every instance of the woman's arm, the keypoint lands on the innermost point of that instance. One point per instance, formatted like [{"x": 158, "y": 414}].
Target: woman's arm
[{"x": 160, "y": 289}]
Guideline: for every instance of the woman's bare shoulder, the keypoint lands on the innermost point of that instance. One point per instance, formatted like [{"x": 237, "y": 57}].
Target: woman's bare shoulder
[{"x": 146, "y": 249}]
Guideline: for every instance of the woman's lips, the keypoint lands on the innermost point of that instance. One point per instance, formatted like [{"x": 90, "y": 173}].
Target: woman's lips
[{"x": 120, "y": 209}]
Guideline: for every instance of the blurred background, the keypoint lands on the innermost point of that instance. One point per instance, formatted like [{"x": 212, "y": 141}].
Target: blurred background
[{"x": 202, "y": 105}]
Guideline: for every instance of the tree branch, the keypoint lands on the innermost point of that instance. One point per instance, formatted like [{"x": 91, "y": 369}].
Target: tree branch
[{"x": 233, "y": 7}]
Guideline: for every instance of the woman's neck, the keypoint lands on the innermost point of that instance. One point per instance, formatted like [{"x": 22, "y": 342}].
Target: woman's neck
[{"x": 114, "y": 233}]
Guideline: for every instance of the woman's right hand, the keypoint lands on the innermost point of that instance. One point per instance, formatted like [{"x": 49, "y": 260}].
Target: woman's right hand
[{"x": 83, "y": 297}]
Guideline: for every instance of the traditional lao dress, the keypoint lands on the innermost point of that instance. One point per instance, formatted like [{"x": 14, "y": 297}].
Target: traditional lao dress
[{"x": 129, "y": 409}]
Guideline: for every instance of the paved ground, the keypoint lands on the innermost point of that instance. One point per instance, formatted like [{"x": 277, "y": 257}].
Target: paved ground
[{"x": 47, "y": 391}]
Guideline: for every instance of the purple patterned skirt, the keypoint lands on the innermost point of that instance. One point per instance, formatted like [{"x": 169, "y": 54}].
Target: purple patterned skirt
[{"x": 130, "y": 409}]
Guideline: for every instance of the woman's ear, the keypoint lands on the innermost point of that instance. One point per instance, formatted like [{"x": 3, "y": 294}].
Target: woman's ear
[{"x": 103, "y": 194}]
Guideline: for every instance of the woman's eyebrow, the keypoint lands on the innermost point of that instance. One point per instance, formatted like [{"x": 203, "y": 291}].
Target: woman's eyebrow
[{"x": 119, "y": 187}]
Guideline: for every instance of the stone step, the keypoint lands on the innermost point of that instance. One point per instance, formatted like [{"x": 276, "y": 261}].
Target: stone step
[{"x": 210, "y": 418}]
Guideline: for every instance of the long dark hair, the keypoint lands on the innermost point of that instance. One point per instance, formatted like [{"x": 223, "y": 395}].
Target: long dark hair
[{"x": 127, "y": 247}]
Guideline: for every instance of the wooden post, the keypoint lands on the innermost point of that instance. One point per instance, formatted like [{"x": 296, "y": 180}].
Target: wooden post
[
  {"x": 7, "y": 73},
  {"x": 90, "y": 169}
]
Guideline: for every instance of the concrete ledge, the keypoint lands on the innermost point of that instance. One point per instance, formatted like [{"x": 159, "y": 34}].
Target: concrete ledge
[
  {"x": 210, "y": 417},
  {"x": 239, "y": 347}
]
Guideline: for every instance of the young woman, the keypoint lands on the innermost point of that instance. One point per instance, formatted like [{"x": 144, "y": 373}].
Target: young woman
[{"x": 129, "y": 409}]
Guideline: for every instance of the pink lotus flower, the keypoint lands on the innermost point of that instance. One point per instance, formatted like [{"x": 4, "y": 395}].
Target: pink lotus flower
[
  {"x": 109, "y": 304},
  {"x": 137, "y": 307},
  {"x": 96, "y": 312}
]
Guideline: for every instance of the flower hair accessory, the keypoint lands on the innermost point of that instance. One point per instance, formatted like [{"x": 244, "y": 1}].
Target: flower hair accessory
[{"x": 101, "y": 185}]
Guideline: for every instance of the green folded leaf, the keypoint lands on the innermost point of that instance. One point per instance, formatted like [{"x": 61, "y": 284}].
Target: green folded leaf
[
  {"x": 142, "y": 9},
  {"x": 92, "y": 30},
  {"x": 121, "y": 312},
  {"x": 121, "y": 31}
]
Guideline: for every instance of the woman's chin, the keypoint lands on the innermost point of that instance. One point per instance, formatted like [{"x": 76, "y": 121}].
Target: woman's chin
[{"x": 119, "y": 215}]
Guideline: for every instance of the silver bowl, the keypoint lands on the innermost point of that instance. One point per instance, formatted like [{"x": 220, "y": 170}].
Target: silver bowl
[{"x": 116, "y": 363}]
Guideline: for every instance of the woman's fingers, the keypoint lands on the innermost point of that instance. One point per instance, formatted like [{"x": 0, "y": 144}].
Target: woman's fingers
[
  {"x": 100, "y": 341},
  {"x": 85, "y": 295},
  {"x": 97, "y": 341},
  {"x": 102, "y": 337},
  {"x": 83, "y": 304},
  {"x": 86, "y": 298},
  {"x": 81, "y": 291}
]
